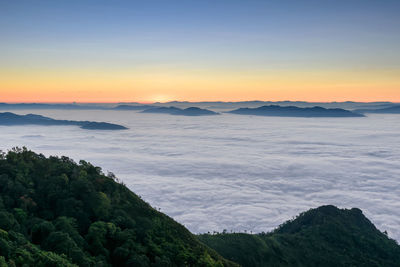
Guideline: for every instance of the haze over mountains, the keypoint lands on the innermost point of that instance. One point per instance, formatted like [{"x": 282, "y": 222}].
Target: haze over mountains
[
  {"x": 216, "y": 105},
  {"x": 261, "y": 108},
  {"x": 389, "y": 110},
  {"x": 292, "y": 111},
  {"x": 191, "y": 111},
  {"x": 10, "y": 119},
  {"x": 219, "y": 105}
]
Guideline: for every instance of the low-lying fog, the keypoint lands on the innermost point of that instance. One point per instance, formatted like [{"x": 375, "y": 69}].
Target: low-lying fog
[{"x": 236, "y": 172}]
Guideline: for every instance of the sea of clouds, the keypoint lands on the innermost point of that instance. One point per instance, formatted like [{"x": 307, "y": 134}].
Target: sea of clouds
[{"x": 236, "y": 172}]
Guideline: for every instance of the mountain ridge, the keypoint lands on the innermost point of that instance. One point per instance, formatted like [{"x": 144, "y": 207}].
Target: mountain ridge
[
  {"x": 387, "y": 110},
  {"x": 293, "y": 111},
  {"x": 324, "y": 236},
  {"x": 11, "y": 119},
  {"x": 190, "y": 111}
]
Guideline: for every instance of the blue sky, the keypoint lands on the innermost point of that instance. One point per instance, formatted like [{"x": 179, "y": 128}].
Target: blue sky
[{"x": 212, "y": 35}]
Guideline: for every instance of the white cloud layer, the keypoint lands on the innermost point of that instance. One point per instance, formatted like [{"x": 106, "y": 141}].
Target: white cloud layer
[{"x": 237, "y": 172}]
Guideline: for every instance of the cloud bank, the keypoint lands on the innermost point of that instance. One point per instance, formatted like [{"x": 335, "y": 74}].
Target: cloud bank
[{"x": 237, "y": 172}]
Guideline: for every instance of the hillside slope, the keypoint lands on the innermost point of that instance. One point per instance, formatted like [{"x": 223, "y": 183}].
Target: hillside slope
[
  {"x": 54, "y": 212},
  {"x": 326, "y": 236}
]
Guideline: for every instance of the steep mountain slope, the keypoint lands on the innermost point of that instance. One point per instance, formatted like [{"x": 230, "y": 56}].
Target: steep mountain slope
[{"x": 54, "y": 212}]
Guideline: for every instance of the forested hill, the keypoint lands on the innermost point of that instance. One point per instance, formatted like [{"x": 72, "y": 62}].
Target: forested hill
[
  {"x": 54, "y": 212},
  {"x": 326, "y": 236}
]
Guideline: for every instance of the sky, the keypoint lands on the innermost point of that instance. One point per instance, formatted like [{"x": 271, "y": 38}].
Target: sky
[{"x": 148, "y": 51}]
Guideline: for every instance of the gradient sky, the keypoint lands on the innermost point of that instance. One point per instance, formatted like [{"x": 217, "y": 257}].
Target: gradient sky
[{"x": 109, "y": 51}]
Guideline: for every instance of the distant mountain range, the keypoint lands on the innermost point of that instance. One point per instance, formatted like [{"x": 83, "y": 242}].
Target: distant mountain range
[
  {"x": 260, "y": 108},
  {"x": 389, "y": 110},
  {"x": 10, "y": 106},
  {"x": 191, "y": 111},
  {"x": 131, "y": 107},
  {"x": 220, "y": 105},
  {"x": 99, "y": 106},
  {"x": 292, "y": 111},
  {"x": 8, "y": 118},
  {"x": 213, "y": 105}
]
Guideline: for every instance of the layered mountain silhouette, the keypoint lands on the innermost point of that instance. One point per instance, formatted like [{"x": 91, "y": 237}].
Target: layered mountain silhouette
[
  {"x": 191, "y": 111},
  {"x": 292, "y": 111},
  {"x": 8, "y": 118},
  {"x": 389, "y": 110},
  {"x": 14, "y": 106},
  {"x": 131, "y": 107},
  {"x": 348, "y": 105},
  {"x": 17, "y": 106}
]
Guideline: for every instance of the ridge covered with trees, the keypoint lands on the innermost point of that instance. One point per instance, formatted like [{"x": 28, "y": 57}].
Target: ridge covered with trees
[
  {"x": 55, "y": 212},
  {"x": 325, "y": 236}
]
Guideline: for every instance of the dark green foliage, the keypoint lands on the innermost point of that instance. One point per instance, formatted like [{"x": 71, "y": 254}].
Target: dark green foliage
[
  {"x": 326, "y": 236},
  {"x": 54, "y": 212},
  {"x": 16, "y": 250}
]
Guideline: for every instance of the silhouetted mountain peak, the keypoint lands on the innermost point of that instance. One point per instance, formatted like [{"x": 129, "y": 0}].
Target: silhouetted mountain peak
[
  {"x": 325, "y": 236},
  {"x": 8, "y": 118},
  {"x": 293, "y": 111},
  {"x": 326, "y": 214}
]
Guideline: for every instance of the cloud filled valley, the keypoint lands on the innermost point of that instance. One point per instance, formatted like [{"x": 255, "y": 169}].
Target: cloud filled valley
[{"x": 237, "y": 172}]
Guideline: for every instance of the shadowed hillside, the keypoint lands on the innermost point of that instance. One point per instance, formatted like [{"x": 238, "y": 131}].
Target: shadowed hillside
[
  {"x": 326, "y": 236},
  {"x": 54, "y": 212}
]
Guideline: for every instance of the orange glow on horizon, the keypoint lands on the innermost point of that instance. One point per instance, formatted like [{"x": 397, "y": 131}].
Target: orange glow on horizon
[{"x": 198, "y": 85}]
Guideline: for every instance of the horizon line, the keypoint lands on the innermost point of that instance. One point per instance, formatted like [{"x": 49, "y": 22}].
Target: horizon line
[{"x": 185, "y": 101}]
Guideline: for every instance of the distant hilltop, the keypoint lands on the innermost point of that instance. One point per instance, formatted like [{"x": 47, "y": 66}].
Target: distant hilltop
[
  {"x": 191, "y": 111},
  {"x": 292, "y": 111},
  {"x": 325, "y": 236},
  {"x": 133, "y": 107},
  {"x": 9, "y": 119},
  {"x": 389, "y": 110}
]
